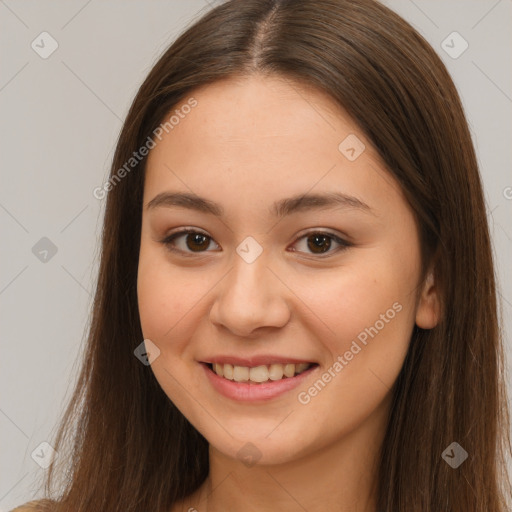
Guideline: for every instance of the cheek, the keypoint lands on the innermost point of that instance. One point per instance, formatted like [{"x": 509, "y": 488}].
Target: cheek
[
  {"x": 356, "y": 297},
  {"x": 365, "y": 313},
  {"x": 162, "y": 307},
  {"x": 370, "y": 315}
]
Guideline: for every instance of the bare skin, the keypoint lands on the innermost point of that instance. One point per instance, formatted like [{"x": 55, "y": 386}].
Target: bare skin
[{"x": 248, "y": 143}]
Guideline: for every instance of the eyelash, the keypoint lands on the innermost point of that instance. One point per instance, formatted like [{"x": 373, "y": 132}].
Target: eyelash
[{"x": 169, "y": 240}]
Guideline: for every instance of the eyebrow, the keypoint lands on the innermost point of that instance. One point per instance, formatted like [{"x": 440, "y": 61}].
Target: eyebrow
[{"x": 281, "y": 208}]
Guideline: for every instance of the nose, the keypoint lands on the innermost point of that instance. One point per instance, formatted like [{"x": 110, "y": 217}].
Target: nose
[{"x": 250, "y": 297}]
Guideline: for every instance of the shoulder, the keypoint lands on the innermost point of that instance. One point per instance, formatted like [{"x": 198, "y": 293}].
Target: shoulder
[{"x": 35, "y": 506}]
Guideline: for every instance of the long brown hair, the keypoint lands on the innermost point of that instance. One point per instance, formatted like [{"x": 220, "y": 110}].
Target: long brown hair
[{"x": 124, "y": 446}]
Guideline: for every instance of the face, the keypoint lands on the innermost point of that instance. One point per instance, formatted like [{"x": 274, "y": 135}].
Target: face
[{"x": 263, "y": 278}]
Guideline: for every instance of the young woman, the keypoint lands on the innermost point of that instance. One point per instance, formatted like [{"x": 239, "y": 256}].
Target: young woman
[{"x": 296, "y": 306}]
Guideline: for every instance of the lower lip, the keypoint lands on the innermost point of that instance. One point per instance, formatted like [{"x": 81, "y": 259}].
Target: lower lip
[{"x": 249, "y": 392}]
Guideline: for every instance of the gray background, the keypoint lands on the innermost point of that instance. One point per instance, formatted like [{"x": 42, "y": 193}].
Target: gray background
[{"x": 60, "y": 118}]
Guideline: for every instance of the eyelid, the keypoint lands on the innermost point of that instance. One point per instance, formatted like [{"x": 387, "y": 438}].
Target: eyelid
[
  {"x": 343, "y": 242},
  {"x": 170, "y": 237}
]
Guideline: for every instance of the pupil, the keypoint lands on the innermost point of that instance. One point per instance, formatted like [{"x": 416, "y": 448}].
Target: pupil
[
  {"x": 317, "y": 244},
  {"x": 197, "y": 239}
]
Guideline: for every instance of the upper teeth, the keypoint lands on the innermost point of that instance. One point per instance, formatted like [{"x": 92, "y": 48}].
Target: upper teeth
[{"x": 259, "y": 373}]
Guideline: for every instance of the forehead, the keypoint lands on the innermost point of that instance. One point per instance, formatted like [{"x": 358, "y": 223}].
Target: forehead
[
  {"x": 263, "y": 108},
  {"x": 260, "y": 136}
]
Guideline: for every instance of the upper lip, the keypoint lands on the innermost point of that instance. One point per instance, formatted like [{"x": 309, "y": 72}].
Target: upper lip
[{"x": 253, "y": 361}]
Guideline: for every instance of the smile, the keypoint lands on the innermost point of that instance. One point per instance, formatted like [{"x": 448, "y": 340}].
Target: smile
[
  {"x": 259, "y": 374},
  {"x": 270, "y": 381}
]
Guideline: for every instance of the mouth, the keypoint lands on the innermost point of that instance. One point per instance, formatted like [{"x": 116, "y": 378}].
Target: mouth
[
  {"x": 259, "y": 383},
  {"x": 259, "y": 374}
]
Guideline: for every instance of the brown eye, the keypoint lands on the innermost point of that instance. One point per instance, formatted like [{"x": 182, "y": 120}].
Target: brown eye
[
  {"x": 319, "y": 242},
  {"x": 195, "y": 241}
]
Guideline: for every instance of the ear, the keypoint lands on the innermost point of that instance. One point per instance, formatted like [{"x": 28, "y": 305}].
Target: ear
[{"x": 428, "y": 310}]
